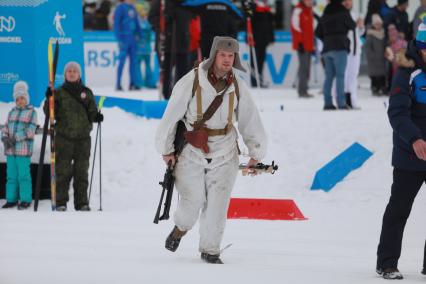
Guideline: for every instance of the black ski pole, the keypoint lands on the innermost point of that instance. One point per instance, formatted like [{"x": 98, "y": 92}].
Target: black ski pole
[
  {"x": 93, "y": 164},
  {"x": 41, "y": 163},
  {"x": 424, "y": 261},
  {"x": 100, "y": 166}
]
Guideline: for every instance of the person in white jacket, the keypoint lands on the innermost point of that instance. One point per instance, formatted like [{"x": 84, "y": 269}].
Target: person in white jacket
[
  {"x": 204, "y": 178},
  {"x": 354, "y": 59}
]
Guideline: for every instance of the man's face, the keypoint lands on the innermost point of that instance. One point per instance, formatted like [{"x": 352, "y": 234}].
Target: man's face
[
  {"x": 224, "y": 61},
  {"x": 347, "y": 4},
  {"x": 72, "y": 75},
  {"x": 423, "y": 54},
  {"x": 404, "y": 7}
]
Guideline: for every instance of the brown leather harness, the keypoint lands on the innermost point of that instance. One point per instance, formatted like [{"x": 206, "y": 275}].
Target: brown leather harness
[{"x": 202, "y": 118}]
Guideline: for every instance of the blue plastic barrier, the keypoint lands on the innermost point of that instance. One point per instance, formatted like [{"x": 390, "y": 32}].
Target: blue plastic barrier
[
  {"x": 148, "y": 109},
  {"x": 337, "y": 169}
]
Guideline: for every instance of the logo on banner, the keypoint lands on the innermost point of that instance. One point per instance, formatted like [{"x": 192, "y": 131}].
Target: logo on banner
[
  {"x": 58, "y": 25},
  {"x": 57, "y": 22},
  {"x": 7, "y": 24},
  {"x": 8, "y": 78}
]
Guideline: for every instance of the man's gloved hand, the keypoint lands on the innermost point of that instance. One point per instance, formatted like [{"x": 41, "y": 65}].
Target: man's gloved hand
[
  {"x": 248, "y": 7},
  {"x": 99, "y": 117},
  {"x": 8, "y": 142},
  {"x": 48, "y": 93}
]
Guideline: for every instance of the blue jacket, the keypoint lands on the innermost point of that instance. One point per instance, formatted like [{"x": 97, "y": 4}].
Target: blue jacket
[
  {"x": 126, "y": 23},
  {"x": 407, "y": 110},
  {"x": 145, "y": 40}
]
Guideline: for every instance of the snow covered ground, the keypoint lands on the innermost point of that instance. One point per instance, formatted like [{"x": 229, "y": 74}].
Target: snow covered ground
[{"x": 337, "y": 244}]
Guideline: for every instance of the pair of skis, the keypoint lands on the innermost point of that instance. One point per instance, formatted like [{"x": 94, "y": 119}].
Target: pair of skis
[{"x": 49, "y": 128}]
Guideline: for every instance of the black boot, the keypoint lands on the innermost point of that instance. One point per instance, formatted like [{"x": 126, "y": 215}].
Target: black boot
[
  {"x": 134, "y": 88},
  {"x": 392, "y": 274},
  {"x": 83, "y": 208},
  {"x": 9, "y": 205},
  {"x": 173, "y": 240},
  {"x": 424, "y": 261},
  {"x": 348, "y": 99},
  {"x": 23, "y": 205},
  {"x": 211, "y": 258},
  {"x": 329, "y": 107}
]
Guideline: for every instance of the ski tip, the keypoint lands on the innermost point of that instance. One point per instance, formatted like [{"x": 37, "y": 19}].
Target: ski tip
[{"x": 226, "y": 247}]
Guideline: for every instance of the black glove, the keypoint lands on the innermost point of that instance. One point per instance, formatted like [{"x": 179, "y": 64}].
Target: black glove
[
  {"x": 248, "y": 7},
  {"x": 99, "y": 117},
  {"x": 8, "y": 142},
  {"x": 300, "y": 48},
  {"x": 48, "y": 93}
]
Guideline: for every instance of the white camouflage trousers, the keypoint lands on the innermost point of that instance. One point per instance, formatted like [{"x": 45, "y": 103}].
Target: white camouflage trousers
[{"x": 205, "y": 187}]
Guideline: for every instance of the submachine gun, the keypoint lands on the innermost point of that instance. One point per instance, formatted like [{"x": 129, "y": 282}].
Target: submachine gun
[{"x": 169, "y": 179}]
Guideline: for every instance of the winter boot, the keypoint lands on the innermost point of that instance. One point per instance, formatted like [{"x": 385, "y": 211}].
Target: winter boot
[
  {"x": 348, "y": 99},
  {"x": 83, "y": 208},
  {"x": 306, "y": 95},
  {"x": 345, "y": 107},
  {"x": 211, "y": 258},
  {"x": 391, "y": 274},
  {"x": 329, "y": 107},
  {"x": 134, "y": 88},
  {"x": 173, "y": 240},
  {"x": 9, "y": 205},
  {"x": 424, "y": 271},
  {"x": 23, "y": 205},
  {"x": 61, "y": 208}
]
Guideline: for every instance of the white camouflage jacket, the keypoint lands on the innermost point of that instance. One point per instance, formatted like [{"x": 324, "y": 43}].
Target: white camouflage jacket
[{"x": 182, "y": 105}]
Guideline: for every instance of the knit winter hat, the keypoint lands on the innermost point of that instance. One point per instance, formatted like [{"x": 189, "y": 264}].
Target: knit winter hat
[
  {"x": 72, "y": 64},
  {"x": 401, "y": 2},
  {"x": 375, "y": 18},
  {"x": 224, "y": 43},
  {"x": 421, "y": 35},
  {"x": 20, "y": 89}
]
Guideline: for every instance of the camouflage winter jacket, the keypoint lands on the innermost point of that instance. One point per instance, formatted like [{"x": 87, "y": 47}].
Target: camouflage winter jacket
[{"x": 74, "y": 112}]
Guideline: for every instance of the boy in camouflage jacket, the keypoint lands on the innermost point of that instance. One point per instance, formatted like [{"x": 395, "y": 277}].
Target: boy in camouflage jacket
[
  {"x": 18, "y": 139},
  {"x": 75, "y": 112}
]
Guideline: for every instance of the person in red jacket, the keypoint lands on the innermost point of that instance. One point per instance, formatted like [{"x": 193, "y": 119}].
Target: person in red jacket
[
  {"x": 302, "y": 31},
  {"x": 194, "y": 40}
]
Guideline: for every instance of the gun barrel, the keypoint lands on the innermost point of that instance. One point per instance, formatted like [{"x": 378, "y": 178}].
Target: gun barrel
[{"x": 157, "y": 214}]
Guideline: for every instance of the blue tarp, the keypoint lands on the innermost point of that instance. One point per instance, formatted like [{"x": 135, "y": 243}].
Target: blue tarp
[
  {"x": 337, "y": 169},
  {"x": 148, "y": 109}
]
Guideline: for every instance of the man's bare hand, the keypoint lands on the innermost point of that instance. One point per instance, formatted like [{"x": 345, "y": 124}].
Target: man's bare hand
[
  {"x": 168, "y": 158},
  {"x": 419, "y": 147},
  {"x": 251, "y": 163}
]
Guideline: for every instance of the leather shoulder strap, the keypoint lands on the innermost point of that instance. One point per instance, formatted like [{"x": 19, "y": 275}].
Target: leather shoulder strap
[
  {"x": 196, "y": 83},
  {"x": 237, "y": 88},
  {"x": 217, "y": 101}
]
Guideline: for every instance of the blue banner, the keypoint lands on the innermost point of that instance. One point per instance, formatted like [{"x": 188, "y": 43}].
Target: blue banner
[{"x": 25, "y": 30}]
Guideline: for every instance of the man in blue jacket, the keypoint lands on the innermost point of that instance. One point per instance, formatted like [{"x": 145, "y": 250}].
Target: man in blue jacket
[
  {"x": 127, "y": 29},
  {"x": 407, "y": 115}
]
